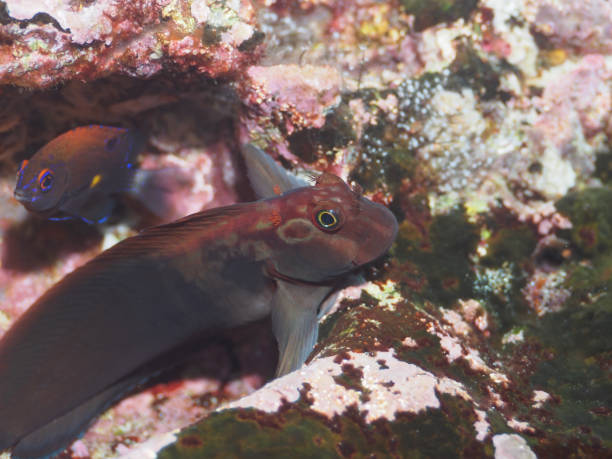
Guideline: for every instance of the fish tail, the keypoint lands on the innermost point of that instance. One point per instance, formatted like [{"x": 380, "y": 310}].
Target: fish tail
[
  {"x": 53, "y": 437},
  {"x": 138, "y": 141},
  {"x": 156, "y": 189}
]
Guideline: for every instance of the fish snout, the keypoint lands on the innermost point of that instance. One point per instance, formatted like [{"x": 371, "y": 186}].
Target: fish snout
[
  {"x": 378, "y": 230},
  {"x": 22, "y": 196}
]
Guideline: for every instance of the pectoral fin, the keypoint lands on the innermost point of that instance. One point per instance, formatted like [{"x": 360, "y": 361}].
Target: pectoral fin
[{"x": 295, "y": 322}]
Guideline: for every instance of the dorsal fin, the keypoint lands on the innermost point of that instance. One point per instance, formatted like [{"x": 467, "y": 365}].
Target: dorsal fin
[
  {"x": 175, "y": 235},
  {"x": 266, "y": 176},
  {"x": 327, "y": 179}
]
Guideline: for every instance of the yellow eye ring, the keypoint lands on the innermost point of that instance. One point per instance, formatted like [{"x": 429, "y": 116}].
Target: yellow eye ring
[
  {"x": 327, "y": 219},
  {"x": 45, "y": 180}
]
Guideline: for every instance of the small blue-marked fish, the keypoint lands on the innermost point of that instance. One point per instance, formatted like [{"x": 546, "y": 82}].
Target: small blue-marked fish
[
  {"x": 80, "y": 174},
  {"x": 88, "y": 339}
]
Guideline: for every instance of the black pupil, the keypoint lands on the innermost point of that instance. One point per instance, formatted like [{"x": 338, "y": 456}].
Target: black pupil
[
  {"x": 47, "y": 179},
  {"x": 326, "y": 218}
]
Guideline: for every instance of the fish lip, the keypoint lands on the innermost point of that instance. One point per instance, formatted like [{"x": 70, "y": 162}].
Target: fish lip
[
  {"x": 22, "y": 196},
  {"x": 273, "y": 273}
]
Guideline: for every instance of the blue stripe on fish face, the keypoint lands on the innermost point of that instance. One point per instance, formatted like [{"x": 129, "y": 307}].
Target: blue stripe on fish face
[
  {"x": 20, "y": 179},
  {"x": 27, "y": 185}
]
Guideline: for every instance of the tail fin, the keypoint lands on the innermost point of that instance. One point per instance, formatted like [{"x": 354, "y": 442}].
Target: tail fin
[{"x": 53, "y": 437}]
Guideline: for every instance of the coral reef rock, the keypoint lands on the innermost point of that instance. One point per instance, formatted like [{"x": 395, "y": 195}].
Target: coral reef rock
[{"x": 485, "y": 127}]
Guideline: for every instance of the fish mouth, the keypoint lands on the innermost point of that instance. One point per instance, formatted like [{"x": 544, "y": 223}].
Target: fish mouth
[
  {"x": 335, "y": 281},
  {"x": 379, "y": 231},
  {"x": 273, "y": 273},
  {"x": 32, "y": 203},
  {"x": 22, "y": 196}
]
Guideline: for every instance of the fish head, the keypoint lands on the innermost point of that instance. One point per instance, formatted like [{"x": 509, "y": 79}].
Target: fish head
[
  {"x": 328, "y": 230},
  {"x": 41, "y": 184}
]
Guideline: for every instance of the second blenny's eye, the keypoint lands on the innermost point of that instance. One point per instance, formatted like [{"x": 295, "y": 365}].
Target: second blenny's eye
[
  {"x": 45, "y": 179},
  {"x": 327, "y": 219}
]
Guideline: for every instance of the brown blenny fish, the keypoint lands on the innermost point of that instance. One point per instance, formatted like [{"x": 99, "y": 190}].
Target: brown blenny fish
[
  {"x": 79, "y": 175},
  {"x": 86, "y": 341}
]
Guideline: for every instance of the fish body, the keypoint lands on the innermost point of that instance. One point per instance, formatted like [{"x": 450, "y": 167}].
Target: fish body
[
  {"x": 90, "y": 337},
  {"x": 77, "y": 174}
]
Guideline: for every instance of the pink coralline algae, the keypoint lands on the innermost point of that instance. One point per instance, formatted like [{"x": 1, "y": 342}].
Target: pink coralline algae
[
  {"x": 582, "y": 95},
  {"x": 585, "y": 27},
  {"x": 45, "y": 43},
  {"x": 545, "y": 291},
  {"x": 302, "y": 93}
]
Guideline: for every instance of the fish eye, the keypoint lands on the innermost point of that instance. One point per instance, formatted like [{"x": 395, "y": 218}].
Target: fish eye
[
  {"x": 45, "y": 180},
  {"x": 327, "y": 219}
]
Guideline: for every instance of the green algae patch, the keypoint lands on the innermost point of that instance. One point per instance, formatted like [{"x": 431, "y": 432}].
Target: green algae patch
[
  {"x": 469, "y": 69},
  {"x": 297, "y": 431},
  {"x": 500, "y": 290},
  {"x": 312, "y": 144},
  {"x": 364, "y": 325},
  {"x": 566, "y": 352},
  {"x": 603, "y": 166},
  {"x": 383, "y": 322},
  {"x": 510, "y": 245},
  {"x": 578, "y": 371},
  {"x": 377, "y": 320},
  {"x": 444, "y": 432},
  {"x": 252, "y": 433},
  {"x": 370, "y": 324},
  {"x": 353, "y": 330},
  {"x": 501, "y": 273},
  {"x": 590, "y": 212},
  {"x": 212, "y": 35},
  {"x": 579, "y": 376},
  {"x": 590, "y": 282},
  {"x": 431, "y": 12},
  {"x": 442, "y": 258}
]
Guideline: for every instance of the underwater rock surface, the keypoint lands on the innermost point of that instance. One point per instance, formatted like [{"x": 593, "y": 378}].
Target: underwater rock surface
[
  {"x": 486, "y": 129},
  {"x": 46, "y": 43}
]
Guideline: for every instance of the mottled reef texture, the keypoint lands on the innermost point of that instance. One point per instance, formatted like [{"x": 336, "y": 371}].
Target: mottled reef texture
[{"x": 484, "y": 125}]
